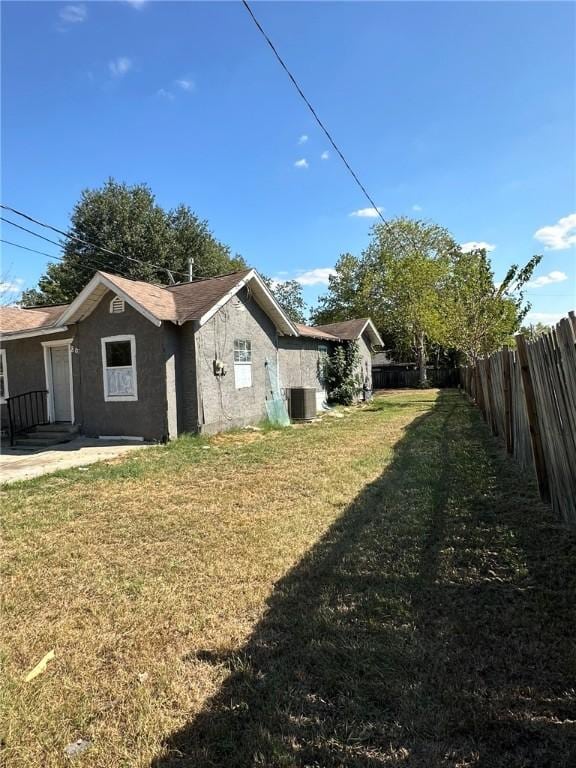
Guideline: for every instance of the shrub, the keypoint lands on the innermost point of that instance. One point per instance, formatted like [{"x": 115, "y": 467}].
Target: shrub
[{"x": 340, "y": 373}]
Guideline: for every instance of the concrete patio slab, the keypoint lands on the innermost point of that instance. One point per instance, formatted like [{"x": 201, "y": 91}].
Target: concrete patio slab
[{"x": 17, "y": 465}]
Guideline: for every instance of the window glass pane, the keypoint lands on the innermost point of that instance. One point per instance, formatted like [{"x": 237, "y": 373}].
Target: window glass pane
[
  {"x": 118, "y": 353},
  {"x": 2, "y": 386},
  {"x": 1, "y": 365},
  {"x": 242, "y": 351}
]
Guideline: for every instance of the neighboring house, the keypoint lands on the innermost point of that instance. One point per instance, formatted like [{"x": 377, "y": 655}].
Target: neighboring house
[{"x": 128, "y": 358}]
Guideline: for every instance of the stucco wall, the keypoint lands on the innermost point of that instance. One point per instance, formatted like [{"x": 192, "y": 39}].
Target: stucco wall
[
  {"x": 188, "y": 400},
  {"x": 299, "y": 361},
  {"x": 145, "y": 417},
  {"x": 366, "y": 359},
  {"x": 26, "y": 371},
  {"x": 221, "y": 405}
]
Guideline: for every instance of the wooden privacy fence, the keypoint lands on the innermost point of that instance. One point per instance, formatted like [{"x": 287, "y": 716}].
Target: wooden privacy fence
[
  {"x": 398, "y": 377},
  {"x": 528, "y": 398}
]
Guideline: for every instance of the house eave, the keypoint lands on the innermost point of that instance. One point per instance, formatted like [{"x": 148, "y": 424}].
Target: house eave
[
  {"x": 263, "y": 297},
  {"x": 15, "y": 335}
]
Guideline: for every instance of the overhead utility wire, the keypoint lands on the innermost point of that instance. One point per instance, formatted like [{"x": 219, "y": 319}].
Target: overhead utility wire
[
  {"x": 92, "y": 259},
  {"x": 32, "y": 250},
  {"x": 91, "y": 245},
  {"x": 50, "y": 255},
  {"x": 314, "y": 113}
]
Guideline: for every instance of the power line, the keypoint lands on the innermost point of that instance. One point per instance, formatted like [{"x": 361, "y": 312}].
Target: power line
[
  {"x": 32, "y": 250},
  {"x": 312, "y": 110},
  {"x": 53, "y": 242},
  {"x": 87, "y": 243},
  {"x": 87, "y": 267}
]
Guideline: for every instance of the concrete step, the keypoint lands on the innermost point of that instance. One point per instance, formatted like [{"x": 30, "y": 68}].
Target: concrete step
[
  {"x": 58, "y": 426},
  {"x": 37, "y": 441}
]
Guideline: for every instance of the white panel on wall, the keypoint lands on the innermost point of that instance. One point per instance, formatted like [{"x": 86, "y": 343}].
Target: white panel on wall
[{"x": 242, "y": 375}]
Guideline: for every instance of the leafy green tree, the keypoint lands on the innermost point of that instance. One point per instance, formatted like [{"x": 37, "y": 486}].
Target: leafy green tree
[
  {"x": 480, "y": 316},
  {"x": 397, "y": 281},
  {"x": 288, "y": 293},
  {"x": 128, "y": 221},
  {"x": 344, "y": 296},
  {"x": 192, "y": 238},
  {"x": 534, "y": 330}
]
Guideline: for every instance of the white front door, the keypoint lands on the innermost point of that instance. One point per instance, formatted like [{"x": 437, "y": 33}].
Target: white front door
[{"x": 60, "y": 364}]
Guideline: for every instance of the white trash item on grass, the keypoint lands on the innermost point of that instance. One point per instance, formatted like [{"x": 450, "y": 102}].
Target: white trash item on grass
[{"x": 77, "y": 747}]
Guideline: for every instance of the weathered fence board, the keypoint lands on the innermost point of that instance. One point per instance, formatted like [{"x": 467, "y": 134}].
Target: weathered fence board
[{"x": 528, "y": 398}]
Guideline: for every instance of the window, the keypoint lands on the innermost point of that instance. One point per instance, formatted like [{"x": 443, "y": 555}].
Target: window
[
  {"x": 242, "y": 363},
  {"x": 119, "y": 368},
  {"x": 322, "y": 350},
  {"x": 116, "y": 305},
  {"x": 242, "y": 351},
  {"x": 3, "y": 377}
]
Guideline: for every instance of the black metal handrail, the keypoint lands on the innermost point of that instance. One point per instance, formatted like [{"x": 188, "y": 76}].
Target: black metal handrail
[{"x": 27, "y": 410}]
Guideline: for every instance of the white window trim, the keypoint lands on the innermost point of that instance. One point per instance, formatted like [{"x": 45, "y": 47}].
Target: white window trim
[
  {"x": 4, "y": 376},
  {"x": 120, "y": 398},
  {"x": 48, "y": 376}
]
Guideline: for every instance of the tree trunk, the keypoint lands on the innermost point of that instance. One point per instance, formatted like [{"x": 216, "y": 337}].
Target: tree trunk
[{"x": 423, "y": 378}]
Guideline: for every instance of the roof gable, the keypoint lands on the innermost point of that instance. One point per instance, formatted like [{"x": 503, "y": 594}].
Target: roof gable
[{"x": 353, "y": 329}]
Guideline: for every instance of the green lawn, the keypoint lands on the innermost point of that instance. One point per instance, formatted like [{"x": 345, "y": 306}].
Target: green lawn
[{"x": 382, "y": 589}]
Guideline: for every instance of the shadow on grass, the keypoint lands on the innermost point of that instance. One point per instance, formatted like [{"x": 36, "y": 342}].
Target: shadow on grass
[{"x": 431, "y": 626}]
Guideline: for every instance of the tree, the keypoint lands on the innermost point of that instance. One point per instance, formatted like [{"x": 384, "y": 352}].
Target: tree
[
  {"x": 344, "y": 295},
  {"x": 128, "y": 221},
  {"x": 534, "y": 330},
  {"x": 288, "y": 293},
  {"x": 397, "y": 281},
  {"x": 480, "y": 316}
]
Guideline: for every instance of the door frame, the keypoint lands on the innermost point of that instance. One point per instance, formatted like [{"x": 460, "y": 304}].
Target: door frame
[{"x": 47, "y": 346}]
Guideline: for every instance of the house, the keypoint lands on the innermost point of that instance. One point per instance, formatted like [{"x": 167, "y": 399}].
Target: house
[{"x": 133, "y": 359}]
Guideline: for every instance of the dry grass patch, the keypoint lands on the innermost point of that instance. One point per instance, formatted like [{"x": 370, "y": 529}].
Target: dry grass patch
[
  {"x": 381, "y": 589},
  {"x": 129, "y": 568}
]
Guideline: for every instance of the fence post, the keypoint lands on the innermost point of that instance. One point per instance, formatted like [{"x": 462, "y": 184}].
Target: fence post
[
  {"x": 508, "y": 402},
  {"x": 491, "y": 408},
  {"x": 533, "y": 419}
]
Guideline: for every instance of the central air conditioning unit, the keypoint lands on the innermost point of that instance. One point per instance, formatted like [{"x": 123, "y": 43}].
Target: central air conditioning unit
[{"x": 302, "y": 403}]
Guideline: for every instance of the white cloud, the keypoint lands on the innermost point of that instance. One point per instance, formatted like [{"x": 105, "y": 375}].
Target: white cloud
[
  {"x": 549, "y": 279},
  {"x": 303, "y": 163},
  {"x": 164, "y": 94},
  {"x": 186, "y": 84},
  {"x": 548, "y": 318},
  {"x": 475, "y": 245},
  {"x": 120, "y": 66},
  {"x": 559, "y": 236},
  {"x": 11, "y": 286},
  {"x": 367, "y": 213},
  {"x": 325, "y": 155},
  {"x": 303, "y": 139},
  {"x": 416, "y": 207},
  {"x": 138, "y": 4},
  {"x": 318, "y": 276},
  {"x": 73, "y": 14}
]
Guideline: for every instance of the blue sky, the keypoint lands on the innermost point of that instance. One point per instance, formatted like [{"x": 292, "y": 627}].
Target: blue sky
[{"x": 458, "y": 112}]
